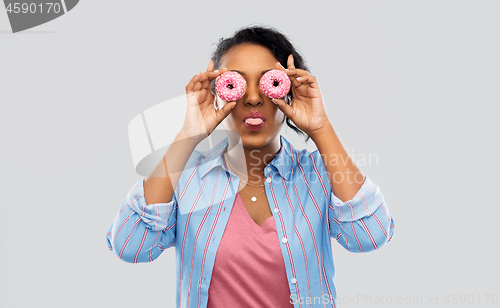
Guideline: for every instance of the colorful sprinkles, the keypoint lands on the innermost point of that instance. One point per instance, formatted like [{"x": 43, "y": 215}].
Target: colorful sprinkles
[
  {"x": 230, "y": 86},
  {"x": 275, "y": 84}
]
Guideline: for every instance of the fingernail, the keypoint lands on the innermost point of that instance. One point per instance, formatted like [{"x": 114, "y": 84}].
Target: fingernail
[
  {"x": 233, "y": 106},
  {"x": 298, "y": 78},
  {"x": 216, "y": 71},
  {"x": 274, "y": 101},
  {"x": 286, "y": 69}
]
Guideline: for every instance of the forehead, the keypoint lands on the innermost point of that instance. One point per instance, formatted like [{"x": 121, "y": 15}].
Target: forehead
[{"x": 248, "y": 56}]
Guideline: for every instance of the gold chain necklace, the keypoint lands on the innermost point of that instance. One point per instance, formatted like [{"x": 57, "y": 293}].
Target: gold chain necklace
[{"x": 254, "y": 197}]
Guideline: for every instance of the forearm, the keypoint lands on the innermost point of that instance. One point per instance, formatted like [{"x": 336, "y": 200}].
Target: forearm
[
  {"x": 345, "y": 177},
  {"x": 160, "y": 185}
]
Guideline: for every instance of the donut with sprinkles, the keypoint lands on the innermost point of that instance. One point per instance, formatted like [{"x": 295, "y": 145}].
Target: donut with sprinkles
[
  {"x": 230, "y": 86},
  {"x": 275, "y": 84}
]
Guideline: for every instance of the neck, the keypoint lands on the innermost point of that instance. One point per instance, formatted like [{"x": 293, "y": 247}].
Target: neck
[{"x": 251, "y": 161}]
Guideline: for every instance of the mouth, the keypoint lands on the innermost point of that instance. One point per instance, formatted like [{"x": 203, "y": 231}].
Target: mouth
[{"x": 254, "y": 121}]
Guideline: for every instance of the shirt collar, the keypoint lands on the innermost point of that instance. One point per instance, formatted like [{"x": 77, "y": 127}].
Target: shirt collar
[{"x": 282, "y": 162}]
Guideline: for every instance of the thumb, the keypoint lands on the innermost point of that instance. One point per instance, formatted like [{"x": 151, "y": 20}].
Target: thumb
[
  {"x": 225, "y": 110},
  {"x": 283, "y": 106}
]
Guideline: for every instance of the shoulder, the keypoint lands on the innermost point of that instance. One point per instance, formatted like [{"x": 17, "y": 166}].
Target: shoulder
[
  {"x": 203, "y": 159},
  {"x": 306, "y": 161},
  {"x": 310, "y": 163}
]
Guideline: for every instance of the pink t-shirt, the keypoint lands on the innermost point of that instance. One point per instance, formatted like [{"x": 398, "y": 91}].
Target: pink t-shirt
[{"x": 249, "y": 270}]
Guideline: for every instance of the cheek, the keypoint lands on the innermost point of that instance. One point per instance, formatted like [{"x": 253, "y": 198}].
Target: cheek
[
  {"x": 279, "y": 117},
  {"x": 229, "y": 123}
]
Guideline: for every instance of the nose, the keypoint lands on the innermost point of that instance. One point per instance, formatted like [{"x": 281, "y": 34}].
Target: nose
[{"x": 253, "y": 96}]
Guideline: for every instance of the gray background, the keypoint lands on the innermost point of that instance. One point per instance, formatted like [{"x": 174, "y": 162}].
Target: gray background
[{"x": 413, "y": 82}]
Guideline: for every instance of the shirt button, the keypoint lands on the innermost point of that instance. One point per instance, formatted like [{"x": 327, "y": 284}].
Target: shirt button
[
  {"x": 293, "y": 280},
  {"x": 269, "y": 169},
  {"x": 268, "y": 180},
  {"x": 276, "y": 210},
  {"x": 284, "y": 240}
]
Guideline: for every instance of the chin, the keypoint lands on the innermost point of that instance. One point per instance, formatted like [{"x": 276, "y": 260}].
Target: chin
[{"x": 255, "y": 140}]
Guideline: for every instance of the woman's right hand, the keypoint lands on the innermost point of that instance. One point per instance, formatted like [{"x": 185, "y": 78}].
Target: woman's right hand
[{"x": 201, "y": 116}]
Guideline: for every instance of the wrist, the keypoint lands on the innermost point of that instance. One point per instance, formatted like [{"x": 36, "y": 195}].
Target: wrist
[
  {"x": 322, "y": 130},
  {"x": 188, "y": 138}
]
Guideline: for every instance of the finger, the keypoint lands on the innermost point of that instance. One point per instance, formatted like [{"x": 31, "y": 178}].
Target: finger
[
  {"x": 212, "y": 74},
  {"x": 192, "y": 90},
  {"x": 296, "y": 81},
  {"x": 307, "y": 80},
  {"x": 210, "y": 65},
  {"x": 292, "y": 72},
  {"x": 283, "y": 106},
  {"x": 225, "y": 110},
  {"x": 206, "y": 85},
  {"x": 198, "y": 84},
  {"x": 208, "y": 76},
  {"x": 205, "y": 79},
  {"x": 290, "y": 63},
  {"x": 297, "y": 77},
  {"x": 192, "y": 82},
  {"x": 278, "y": 65},
  {"x": 296, "y": 72},
  {"x": 289, "y": 73}
]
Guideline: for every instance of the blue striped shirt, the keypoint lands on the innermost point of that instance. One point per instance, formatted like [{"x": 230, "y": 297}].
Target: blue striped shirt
[{"x": 305, "y": 210}]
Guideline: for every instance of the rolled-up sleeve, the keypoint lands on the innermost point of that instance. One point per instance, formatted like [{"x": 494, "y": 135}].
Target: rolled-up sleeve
[
  {"x": 363, "y": 223},
  {"x": 140, "y": 232}
]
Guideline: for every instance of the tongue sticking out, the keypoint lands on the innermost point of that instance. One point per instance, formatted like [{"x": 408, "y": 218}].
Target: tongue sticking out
[{"x": 254, "y": 121}]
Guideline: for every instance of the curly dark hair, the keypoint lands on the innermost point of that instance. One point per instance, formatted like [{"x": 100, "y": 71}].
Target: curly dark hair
[{"x": 279, "y": 45}]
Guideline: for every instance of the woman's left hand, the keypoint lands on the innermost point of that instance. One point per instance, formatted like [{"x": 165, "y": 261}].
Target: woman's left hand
[{"x": 307, "y": 110}]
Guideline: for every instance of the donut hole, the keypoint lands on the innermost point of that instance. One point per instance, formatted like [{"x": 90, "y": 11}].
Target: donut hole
[
  {"x": 230, "y": 86},
  {"x": 276, "y": 83}
]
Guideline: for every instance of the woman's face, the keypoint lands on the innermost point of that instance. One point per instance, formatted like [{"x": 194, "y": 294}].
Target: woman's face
[{"x": 252, "y": 61}]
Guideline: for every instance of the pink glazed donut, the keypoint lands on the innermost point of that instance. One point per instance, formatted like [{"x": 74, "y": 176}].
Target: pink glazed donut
[
  {"x": 230, "y": 86},
  {"x": 275, "y": 84}
]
